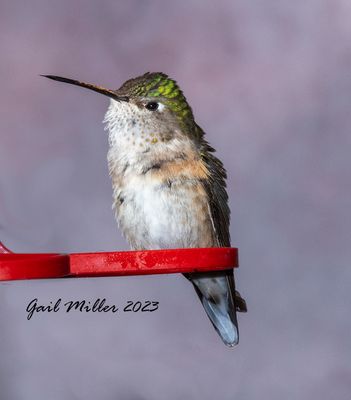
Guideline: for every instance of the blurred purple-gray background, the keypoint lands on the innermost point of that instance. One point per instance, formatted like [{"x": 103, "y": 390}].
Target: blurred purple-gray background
[{"x": 270, "y": 83}]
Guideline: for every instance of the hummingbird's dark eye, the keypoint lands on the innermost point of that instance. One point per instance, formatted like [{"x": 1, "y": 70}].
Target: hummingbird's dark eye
[{"x": 152, "y": 105}]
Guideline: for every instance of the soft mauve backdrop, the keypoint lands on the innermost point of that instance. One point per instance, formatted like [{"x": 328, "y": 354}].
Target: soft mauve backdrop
[{"x": 270, "y": 83}]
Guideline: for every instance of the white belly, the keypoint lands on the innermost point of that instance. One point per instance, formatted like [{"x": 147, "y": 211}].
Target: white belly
[{"x": 154, "y": 216}]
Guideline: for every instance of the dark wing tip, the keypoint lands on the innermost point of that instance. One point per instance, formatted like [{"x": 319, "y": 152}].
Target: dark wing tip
[{"x": 240, "y": 303}]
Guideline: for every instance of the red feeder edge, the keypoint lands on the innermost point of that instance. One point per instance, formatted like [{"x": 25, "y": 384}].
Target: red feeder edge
[{"x": 14, "y": 266}]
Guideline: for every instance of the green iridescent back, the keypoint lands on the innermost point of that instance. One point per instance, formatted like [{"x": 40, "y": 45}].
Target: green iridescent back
[{"x": 159, "y": 86}]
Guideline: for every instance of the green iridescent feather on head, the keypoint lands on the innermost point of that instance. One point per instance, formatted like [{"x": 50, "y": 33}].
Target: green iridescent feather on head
[{"x": 159, "y": 86}]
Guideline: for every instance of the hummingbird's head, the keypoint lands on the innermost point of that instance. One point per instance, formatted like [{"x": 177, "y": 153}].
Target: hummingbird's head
[
  {"x": 151, "y": 108},
  {"x": 161, "y": 95},
  {"x": 156, "y": 106}
]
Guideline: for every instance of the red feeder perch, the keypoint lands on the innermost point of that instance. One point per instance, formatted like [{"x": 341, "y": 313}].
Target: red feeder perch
[{"x": 120, "y": 263}]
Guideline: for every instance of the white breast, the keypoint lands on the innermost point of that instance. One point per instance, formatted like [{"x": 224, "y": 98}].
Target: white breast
[{"x": 154, "y": 217}]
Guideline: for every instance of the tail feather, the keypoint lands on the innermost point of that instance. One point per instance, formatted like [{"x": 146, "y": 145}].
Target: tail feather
[
  {"x": 224, "y": 325},
  {"x": 218, "y": 297}
]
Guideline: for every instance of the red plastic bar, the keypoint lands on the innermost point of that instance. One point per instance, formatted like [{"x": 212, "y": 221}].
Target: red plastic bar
[
  {"x": 153, "y": 261},
  {"x": 41, "y": 266},
  {"x": 33, "y": 266}
]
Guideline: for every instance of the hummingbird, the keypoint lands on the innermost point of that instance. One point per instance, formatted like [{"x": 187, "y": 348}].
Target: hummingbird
[{"x": 169, "y": 189}]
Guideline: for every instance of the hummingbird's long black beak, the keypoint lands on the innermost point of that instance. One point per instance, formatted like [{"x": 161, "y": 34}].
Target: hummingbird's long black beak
[{"x": 99, "y": 89}]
